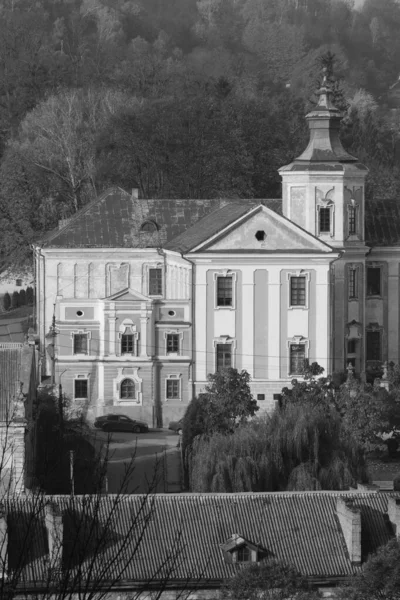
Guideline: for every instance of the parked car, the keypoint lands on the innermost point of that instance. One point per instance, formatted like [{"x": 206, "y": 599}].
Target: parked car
[
  {"x": 120, "y": 423},
  {"x": 176, "y": 426}
]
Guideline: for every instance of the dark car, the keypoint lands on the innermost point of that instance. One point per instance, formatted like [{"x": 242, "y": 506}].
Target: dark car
[
  {"x": 120, "y": 423},
  {"x": 176, "y": 426}
]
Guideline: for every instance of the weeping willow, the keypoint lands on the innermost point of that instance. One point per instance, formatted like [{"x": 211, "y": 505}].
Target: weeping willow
[{"x": 297, "y": 448}]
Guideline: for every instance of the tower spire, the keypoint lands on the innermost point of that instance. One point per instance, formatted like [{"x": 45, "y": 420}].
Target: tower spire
[{"x": 324, "y": 124}]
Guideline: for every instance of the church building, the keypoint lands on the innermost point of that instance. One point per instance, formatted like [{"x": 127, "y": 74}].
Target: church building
[{"x": 138, "y": 300}]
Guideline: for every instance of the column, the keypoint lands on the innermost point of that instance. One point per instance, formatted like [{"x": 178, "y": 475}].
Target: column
[
  {"x": 274, "y": 323},
  {"x": 247, "y": 332}
]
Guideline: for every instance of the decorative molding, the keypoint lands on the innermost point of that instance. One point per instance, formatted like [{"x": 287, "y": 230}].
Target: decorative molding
[
  {"x": 127, "y": 373},
  {"x": 353, "y": 330}
]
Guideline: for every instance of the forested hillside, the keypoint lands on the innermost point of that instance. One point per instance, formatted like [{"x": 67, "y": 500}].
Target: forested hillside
[{"x": 181, "y": 98}]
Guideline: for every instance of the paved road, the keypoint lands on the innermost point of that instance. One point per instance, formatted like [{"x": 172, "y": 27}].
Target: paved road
[{"x": 138, "y": 463}]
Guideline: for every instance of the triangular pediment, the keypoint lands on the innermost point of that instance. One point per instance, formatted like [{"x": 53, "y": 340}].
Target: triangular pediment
[
  {"x": 263, "y": 230},
  {"x": 128, "y": 294}
]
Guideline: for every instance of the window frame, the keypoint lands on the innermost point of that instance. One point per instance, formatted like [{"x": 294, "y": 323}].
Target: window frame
[
  {"x": 81, "y": 379},
  {"x": 352, "y": 283},
  {"x": 176, "y": 379},
  {"x": 133, "y": 383},
  {"x": 177, "y": 338},
  {"x": 248, "y": 553},
  {"x": 82, "y": 334},
  {"x": 159, "y": 294},
  {"x": 296, "y": 274},
  {"x": 297, "y": 340},
  {"x": 352, "y": 218},
  {"x": 379, "y": 333},
  {"x": 127, "y": 373},
  {"x": 223, "y": 291},
  {"x": 226, "y": 344},
  {"x": 331, "y": 207},
  {"x": 370, "y": 268},
  {"x": 295, "y": 291},
  {"x": 233, "y": 276}
]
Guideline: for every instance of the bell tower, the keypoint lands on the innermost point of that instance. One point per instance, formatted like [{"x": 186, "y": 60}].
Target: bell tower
[{"x": 323, "y": 192}]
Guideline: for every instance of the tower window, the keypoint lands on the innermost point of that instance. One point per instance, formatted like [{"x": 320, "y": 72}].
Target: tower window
[
  {"x": 324, "y": 220},
  {"x": 172, "y": 343},
  {"x": 373, "y": 281},
  {"x": 352, "y": 220},
  {"x": 352, "y": 283},
  {"x": 374, "y": 351},
  {"x": 127, "y": 343}
]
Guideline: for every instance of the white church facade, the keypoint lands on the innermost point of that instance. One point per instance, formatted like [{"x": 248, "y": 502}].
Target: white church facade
[{"x": 147, "y": 297}]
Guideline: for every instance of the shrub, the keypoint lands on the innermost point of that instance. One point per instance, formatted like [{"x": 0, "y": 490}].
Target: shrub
[
  {"x": 7, "y": 301},
  {"x": 22, "y": 297},
  {"x": 15, "y": 300},
  {"x": 29, "y": 295}
]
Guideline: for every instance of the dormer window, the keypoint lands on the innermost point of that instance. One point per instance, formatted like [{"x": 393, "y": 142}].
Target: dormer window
[{"x": 239, "y": 550}]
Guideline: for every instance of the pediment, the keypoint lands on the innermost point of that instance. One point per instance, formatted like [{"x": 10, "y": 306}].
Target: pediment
[
  {"x": 128, "y": 294},
  {"x": 263, "y": 230}
]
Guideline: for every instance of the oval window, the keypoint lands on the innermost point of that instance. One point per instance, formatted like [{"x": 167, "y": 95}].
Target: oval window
[
  {"x": 79, "y": 313},
  {"x": 171, "y": 313}
]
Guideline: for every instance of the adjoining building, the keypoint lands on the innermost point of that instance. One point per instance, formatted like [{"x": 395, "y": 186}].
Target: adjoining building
[{"x": 138, "y": 300}]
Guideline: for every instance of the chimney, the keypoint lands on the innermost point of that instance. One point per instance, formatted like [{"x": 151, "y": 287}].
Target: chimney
[
  {"x": 394, "y": 514},
  {"x": 54, "y": 527},
  {"x": 3, "y": 543},
  {"x": 135, "y": 193},
  {"x": 350, "y": 522}
]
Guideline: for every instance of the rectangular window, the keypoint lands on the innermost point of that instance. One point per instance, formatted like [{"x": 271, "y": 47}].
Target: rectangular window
[
  {"x": 155, "y": 282},
  {"x": 297, "y": 358},
  {"x": 224, "y": 291},
  {"x": 80, "y": 343},
  {"x": 351, "y": 347},
  {"x": 352, "y": 220},
  {"x": 373, "y": 281},
  {"x": 81, "y": 388},
  {"x": 373, "y": 345},
  {"x": 297, "y": 291},
  {"x": 224, "y": 356},
  {"x": 127, "y": 343},
  {"x": 353, "y": 283},
  {"x": 173, "y": 390},
  {"x": 172, "y": 343},
  {"x": 324, "y": 220}
]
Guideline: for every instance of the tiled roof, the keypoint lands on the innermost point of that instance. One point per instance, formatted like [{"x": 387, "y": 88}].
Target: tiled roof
[
  {"x": 184, "y": 533},
  {"x": 216, "y": 221},
  {"x": 382, "y": 222},
  {"x": 114, "y": 220}
]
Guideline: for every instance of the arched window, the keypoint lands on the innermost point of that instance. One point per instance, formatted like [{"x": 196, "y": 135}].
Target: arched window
[
  {"x": 149, "y": 227},
  {"x": 127, "y": 389}
]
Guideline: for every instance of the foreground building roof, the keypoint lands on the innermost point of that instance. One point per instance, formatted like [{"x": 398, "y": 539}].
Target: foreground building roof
[
  {"x": 117, "y": 219},
  {"x": 186, "y": 537}
]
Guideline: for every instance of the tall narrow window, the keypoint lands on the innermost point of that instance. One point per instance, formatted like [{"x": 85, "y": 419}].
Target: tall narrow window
[
  {"x": 172, "y": 343},
  {"x": 81, "y": 388},
  {"x": 353, "y": 293},
  {"x": 297, "y": 358},
  {"x": 297, "y": 291},
  {"x": 374, "y": 351},
  {"x": 224, "y": 291},
  {"x": 80, "y": 343},
  {"x": 173, "y": 389},
  {"x": 155, "y": 282},
  {"x": 352, "y": 213},
  {"x": 373, "y": 281},
  {"x": 324, "y": 220},
  {"x": 127, "y": 391},
  {"x": 224, "y": 356},
  {"x": 127, "y": 343}
]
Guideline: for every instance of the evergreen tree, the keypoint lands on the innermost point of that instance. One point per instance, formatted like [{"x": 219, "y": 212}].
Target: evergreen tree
[
  {"x": 15, "y": 300},
  {"x": 7, "y": 301},
  {"x": 29, "y": 295},
  {"x": 22, "y": 298}
]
